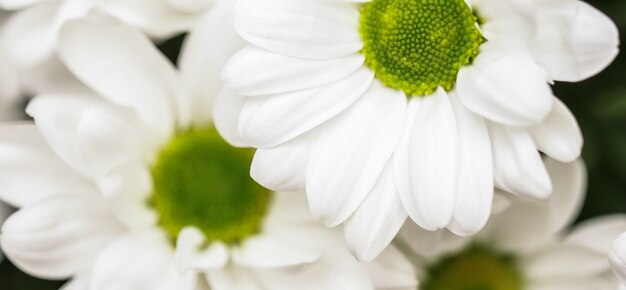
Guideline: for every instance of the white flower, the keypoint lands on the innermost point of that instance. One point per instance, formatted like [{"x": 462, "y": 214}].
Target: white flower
[
  {"x": 528, "y": 246},
  {"x": 385, "y": 108},
  {"x": 617, "y": 257},
  {"x": 133, "y": 188},
  {"x": 30, "y": 34}
]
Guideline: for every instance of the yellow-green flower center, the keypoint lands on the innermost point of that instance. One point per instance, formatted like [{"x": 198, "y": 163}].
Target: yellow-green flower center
[
  {"x": 475, "y": 268},
  {"x": 418, "y": 45},
  {"x": 199, "y": 180}
]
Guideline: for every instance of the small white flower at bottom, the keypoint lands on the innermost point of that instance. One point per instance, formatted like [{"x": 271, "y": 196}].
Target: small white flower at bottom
[{"x": 528, "y": 245}]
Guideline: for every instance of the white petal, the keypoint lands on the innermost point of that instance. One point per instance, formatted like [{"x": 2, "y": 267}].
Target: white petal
[
  {"x": 19, "y": 4},
  {"x": 505, "y": 85},
  {"x": 156, "y": 18},
  {"x": 558, "y": 135},
  {"x": 432, "y": 163},
  {"x": 30, "y": 171},
  {"x": 568, "y": 283},
  {"x": 598, "y": 233},
  {"x": 60, "y": 236},
  {"x": 617, "y": 257},
  {"x": 283, "y": 168},
  {"x": 272, "y": 120},
  {"x": 254, "y": 71},
  {"x": 570, "y": 185},
  {"x": 57, "y": 118},
  {"x": 432, "y": 245},
  {"x": 351, "y": 152},
  {"x": 30, "y": 35},
  {"x": 474, "y": 196},
  {"x": 392, "y": 270},
  {"x": 377, "y": 221},
  {"x": 518, "y": 167},
  {"x": 305, "y": 28},
  {"x": 526, "y": 225},
  {"x": 191, "y": 256},
  {"x": 226, "y": 111},
  {"x": 574, "y": 40},
  {"x": 139, "y": 261},
  {"x": 289, "y": 209},
  {"x": 564, "y": 261},
  {"x": 200, "y": 70},
  {"x": 233, "y": 277},
  {"x": 109, "y": 136},
  {"x": 279, "y": 247},
  {"x": 80, "y": 282},
  {"x": 138, "y": 76},
  {"x": 126, "y": 190}
]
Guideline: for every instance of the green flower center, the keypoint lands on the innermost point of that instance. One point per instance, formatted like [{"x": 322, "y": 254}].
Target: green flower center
[
  {"x": 419, "y": 45},
  {"x": 199, "y": 180},
  {"x": 475, "y": 268}
]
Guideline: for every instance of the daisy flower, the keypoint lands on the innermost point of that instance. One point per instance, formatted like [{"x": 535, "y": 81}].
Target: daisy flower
[
  {"x": 30, "y": 34},
  {"x": 386, "y": 108},
  {"x": 617, "y": 257},
  {"x": 528, "y": 246},
  {"x": 128, "y": 189}
]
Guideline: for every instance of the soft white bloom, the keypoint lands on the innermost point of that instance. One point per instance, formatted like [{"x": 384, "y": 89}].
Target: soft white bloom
[
  {"x": 30, "y": 35},
  {"x": 529, "y": 246},
  {"x": 386, "y": 108},
  {"x": 617, "y": 256},
  {"x": 133, "y": 188}
]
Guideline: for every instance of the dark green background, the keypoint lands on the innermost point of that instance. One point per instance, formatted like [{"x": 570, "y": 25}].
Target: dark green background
[{"x": 598, "y": 103}]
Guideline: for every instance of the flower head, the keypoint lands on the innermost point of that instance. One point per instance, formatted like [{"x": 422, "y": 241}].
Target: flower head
[{"x": 385, "y": 109}]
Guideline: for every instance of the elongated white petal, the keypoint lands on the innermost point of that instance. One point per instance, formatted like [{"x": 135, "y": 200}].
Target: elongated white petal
[
  {"x": 617, "y": 257},
  {"x": 283, "y": 168},
  {"x": 200, "y": 69},
  {"x": 233, "y": 277},
  {"x": 518, "y": 167},
  {"x": 558, "y": 135},
  {"x": 79, "y": 282},
  {"x": 272, "y": 120},
  {"x": 351, "y": 152},
  {"x": 556, "y": 262},
  {"x": 126, "y": 190},
  {"x": 254, "y": 71},
  {"x": 58, "y": 237},
  {"x": 538, "y": 222},
  {"x": 305, "y": 28},
  {"x": 30, "y": 171},
  {"x": 29, "y": 35},
  {"x": 19, "y": 4},
  {"x": 138, "y": 76},
  {"x": 188, "y": 255},
  {"x": 598, "y": 234},
  {"x": 279, "y": 247},
  {"x": 392, "y": 270},
  {"x": 226, "y": 111},
  {"x": 474, "y": 196},
  {"x": 377, "y": 221},
  {"x": 156, "y": 18},
  {"x": 574, "y": 40},
  {"x": 139, "y": 260},
  {"x": 432, "y": 163},
  {"x": 505, "y": 85}
]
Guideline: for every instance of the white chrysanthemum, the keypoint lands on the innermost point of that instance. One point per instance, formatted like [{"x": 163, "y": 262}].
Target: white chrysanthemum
[
  {"x": 617, "y": 256},
  {"x": 133, "y": 189},
  {"x": 528, "y": 246},
  {"x": 385, "y": 108},
  {"x": 31, "y": 33}
]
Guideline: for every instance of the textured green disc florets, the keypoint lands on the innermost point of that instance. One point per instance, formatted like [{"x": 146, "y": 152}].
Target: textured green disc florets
[
  {"x": 199, "y": 180},
  {"x": 475, "y": 268},
  {"x": 418, "y": 45}
]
